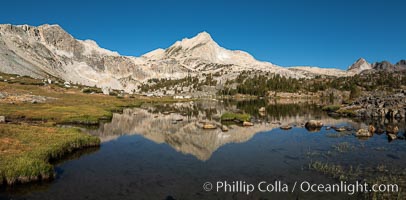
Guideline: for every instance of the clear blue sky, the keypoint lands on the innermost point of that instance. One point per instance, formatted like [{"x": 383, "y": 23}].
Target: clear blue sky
[{"x": 286, "y": 32}]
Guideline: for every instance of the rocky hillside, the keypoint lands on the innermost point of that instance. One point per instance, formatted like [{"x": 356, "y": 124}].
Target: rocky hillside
[{"x": 48, "y": 50}]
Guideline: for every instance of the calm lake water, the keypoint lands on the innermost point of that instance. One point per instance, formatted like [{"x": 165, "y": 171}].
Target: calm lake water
[{"x": 160, "y": 152}]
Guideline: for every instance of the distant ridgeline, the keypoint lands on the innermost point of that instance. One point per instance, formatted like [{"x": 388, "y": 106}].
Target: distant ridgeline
[{"x": 195, "y": 66}]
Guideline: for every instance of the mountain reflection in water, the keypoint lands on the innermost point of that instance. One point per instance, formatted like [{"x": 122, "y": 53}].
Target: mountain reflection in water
[
  {"x": 158, "y": 151},
  {"x": 176, "y": 124}
]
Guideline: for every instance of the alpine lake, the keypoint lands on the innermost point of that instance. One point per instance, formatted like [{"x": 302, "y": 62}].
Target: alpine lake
[{"x": 161, "y": 151}]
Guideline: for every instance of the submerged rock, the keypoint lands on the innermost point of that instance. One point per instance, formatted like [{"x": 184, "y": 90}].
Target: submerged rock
[
  {"x": 348, "y": 128},
  {"x": 340, "y": 129}
]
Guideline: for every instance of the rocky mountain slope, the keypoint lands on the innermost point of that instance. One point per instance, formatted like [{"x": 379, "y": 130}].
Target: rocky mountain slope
[
  {"x": 359, "y": 66},
  {"x": 362, "y": 66},
  {"x": 48, "y": 50},
  {"x": 202, "y": 54}
]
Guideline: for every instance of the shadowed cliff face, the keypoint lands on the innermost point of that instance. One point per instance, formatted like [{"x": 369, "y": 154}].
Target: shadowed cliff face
[{"x": 184, "y": 134}]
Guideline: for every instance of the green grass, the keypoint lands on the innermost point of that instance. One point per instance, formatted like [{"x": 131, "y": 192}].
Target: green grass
[
  {"x": 32, "y": 139},
  {"x": 331, "y": 108},
  {"x": 228, "y": 116},
  {"x": 379, "y": 175},
  {"x": 335, "y": 170},
  {"x": 346, "y": 112},
  {"x": 89, "y": 90},
  {"x": 25, "y": 150},
  {"x": 343, "y": 147},
  {"x": 24, "y": 80},
  {"x": 69, "y": 106}
]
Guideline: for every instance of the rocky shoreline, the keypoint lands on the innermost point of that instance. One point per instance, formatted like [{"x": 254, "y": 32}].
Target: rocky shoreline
[{"x": 375, "y": 106}]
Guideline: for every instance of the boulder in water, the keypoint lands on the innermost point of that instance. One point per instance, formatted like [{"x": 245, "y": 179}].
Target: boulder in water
[
  {"x": 247, "y": 124},
  {"x": 314, "y": 124},
  {"x": 209, "y": 126},
  {"x": 340, "y": 129},
  {"x": 363, "y": 133},
  {"x": 391, "y": 129},
  {"x": 286, "y": 127},
  {"x": 392, "y": 136},
  {"x": 371, "y": 128},
  {"x": 224, "y": 128}
]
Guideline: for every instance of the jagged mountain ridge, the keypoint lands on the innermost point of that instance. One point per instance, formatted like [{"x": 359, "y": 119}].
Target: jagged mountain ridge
[
  {"x": 201, "y": 53},
  {"x": 362, "y": 66},
  {"x": 48, "y": 50},
  {"x": 203, "y": 48},
  {"x": 359, "y": 66}
]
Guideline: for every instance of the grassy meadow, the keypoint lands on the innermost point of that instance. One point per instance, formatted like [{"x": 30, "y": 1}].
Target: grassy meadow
[{"x": 30, "y": 138}]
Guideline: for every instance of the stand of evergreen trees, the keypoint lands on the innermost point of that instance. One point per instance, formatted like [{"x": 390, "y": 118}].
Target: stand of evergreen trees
[{"x": 262, "y": 85}]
